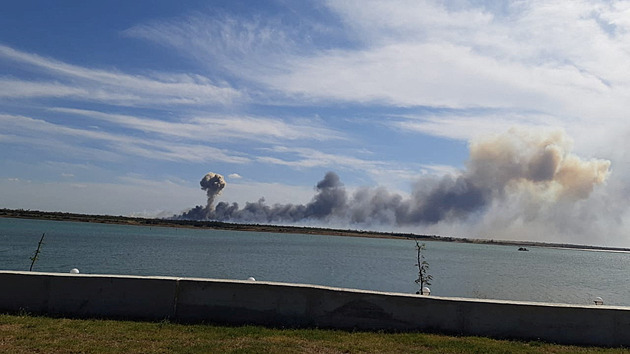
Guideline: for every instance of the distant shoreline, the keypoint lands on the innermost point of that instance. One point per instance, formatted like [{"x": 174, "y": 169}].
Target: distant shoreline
[{"x": 217, "y": 225}]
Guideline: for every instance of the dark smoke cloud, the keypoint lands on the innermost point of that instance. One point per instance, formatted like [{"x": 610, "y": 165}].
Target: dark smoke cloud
[
  {"x": 213, "y": 184},
  {"x": 330, "y": 199},
  {"x": 530, "y": 169}
]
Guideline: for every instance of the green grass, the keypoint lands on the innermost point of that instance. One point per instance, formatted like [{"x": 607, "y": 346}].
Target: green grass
[{"x": 29, "y": 334}]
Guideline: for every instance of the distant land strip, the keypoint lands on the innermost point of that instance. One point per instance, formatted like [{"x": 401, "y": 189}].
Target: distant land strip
[{"x": 218, "y": 225}]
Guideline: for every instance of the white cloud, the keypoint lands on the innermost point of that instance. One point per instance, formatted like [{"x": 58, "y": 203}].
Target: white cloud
[
  {"x": 440, "y": 170},
  {"x": 218, "y": 127},
  {"x": 111, "y": 86},
  {"x": 243, "y": 46},
  {"x": 556, "y": 59},
  {"x": 448, "y": 75},
  {"x": 528, "y": 63},
  {"x": 99, "y": 145},
  {"x": 23, "y": 89},
  {"x": 390, "y": 173},
  {"x": 84, "y": 143},
  {"x": 469, "y": 126},
  {"x": 305, "y": 157}
]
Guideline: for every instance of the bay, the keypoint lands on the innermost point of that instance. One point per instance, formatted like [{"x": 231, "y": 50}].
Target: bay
[{"x": 458, "y": 269}]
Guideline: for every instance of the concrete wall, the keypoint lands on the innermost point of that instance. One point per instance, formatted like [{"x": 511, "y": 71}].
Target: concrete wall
[{"x": 292, "y": 305}]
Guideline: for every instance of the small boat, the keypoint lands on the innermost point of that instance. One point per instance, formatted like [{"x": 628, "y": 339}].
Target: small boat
[{"x": 522, "y": 249}]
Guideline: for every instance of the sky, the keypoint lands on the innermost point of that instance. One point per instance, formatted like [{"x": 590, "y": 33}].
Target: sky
[{"x": 481, "y": 119}]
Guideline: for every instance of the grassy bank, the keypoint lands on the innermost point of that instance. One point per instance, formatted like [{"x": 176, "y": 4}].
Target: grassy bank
[{"x": 28, "y": 334}]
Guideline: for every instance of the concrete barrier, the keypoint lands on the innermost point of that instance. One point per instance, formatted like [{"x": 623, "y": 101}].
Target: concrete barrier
[
  {"x": 294, "y": 305},
  {"x": 82, "y": 295}
]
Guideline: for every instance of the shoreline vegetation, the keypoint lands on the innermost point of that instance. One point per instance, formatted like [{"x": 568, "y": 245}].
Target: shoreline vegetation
[{"x": 218, "y": 225}]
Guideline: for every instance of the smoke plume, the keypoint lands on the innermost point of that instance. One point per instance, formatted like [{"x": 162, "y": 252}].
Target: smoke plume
[
  {"x": 213, "y": 184},
  {"x": 530, "y": 172}
]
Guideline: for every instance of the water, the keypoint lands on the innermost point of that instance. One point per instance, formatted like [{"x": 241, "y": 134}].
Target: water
[{"x": 463, "y": 270}]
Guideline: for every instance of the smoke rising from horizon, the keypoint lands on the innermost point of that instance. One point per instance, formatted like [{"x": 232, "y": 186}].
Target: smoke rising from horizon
[
  {"x": 529, "y": 171},
  {"x": 213, "y": 184}
]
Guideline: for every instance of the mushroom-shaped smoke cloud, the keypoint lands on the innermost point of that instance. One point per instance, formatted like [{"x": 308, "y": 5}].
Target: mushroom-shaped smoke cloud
[{"x": 213, "y": 184}]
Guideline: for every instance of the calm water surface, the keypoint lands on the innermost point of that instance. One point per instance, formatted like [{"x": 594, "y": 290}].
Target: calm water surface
[{"x": 466, "y": 270}]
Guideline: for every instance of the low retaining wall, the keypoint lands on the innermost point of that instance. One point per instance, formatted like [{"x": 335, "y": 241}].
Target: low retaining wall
[{"x": 294, "y": 305}]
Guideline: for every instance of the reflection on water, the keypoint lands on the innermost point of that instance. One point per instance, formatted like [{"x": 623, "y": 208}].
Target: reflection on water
[{"x": 464, "y": 270}]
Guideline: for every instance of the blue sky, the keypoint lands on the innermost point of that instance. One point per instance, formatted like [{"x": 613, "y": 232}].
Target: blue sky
[{"x": 121, "y": 107}]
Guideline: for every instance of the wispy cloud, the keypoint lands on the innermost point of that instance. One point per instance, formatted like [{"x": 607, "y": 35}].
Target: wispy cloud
[
  {"x": 102, "y": 145},
  {"x": 306, "y": 157},
  {"x": 218, "y": 127},
  {"x": 566, "y": 60},
  {"x": 243, "y": 45},
  {"x": 380, "y": 171},
  {"x": 466, "y": 126},
  {"x": 111, "y": 86},
  {"x": 11, "y": 88}
]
